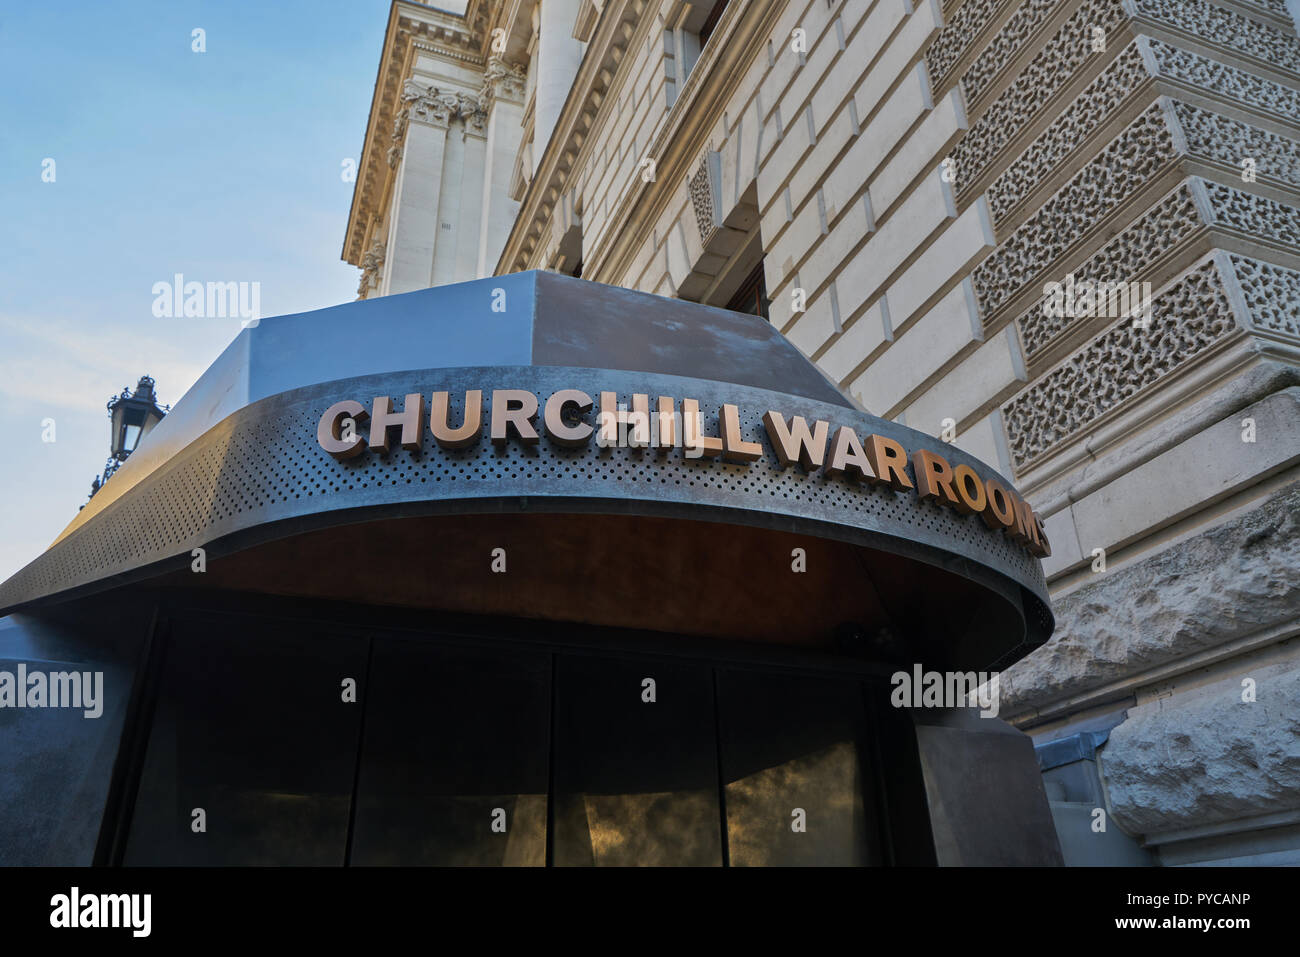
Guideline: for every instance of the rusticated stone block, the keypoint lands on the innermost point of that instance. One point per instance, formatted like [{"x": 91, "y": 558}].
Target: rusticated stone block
[
  {"x": 1187, "y": 318},
  {"x": 1226, "y": 583},
  {"x": 1045, "y": 75},
  {"x": 1207, "y": 756}
]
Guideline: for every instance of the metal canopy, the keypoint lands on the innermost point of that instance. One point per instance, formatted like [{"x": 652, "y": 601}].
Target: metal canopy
[{"x": 237, "y": 460}]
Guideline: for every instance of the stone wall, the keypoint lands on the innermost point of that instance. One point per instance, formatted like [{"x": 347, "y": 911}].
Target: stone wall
[
  {"x": 916, "y": 177},
  {"x": 920, "y": 180}
]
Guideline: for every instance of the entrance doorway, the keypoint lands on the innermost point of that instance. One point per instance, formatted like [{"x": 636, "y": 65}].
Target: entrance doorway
[{"x": 275, "y": 741}]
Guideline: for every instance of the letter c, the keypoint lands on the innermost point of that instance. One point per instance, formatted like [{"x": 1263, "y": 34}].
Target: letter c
[{"x": 327, "y": 433}]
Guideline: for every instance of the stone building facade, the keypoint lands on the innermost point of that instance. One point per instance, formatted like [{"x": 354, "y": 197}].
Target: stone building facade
[{"x": 1062, "y": 234}]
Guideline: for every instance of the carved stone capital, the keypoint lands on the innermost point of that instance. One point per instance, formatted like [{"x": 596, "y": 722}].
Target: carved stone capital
[
  {"x": 503, "y": 80},
  {"x": 470, "y": 110},
  {"x": 372, "y": 261},
  {"x": 428, "y": 105}
]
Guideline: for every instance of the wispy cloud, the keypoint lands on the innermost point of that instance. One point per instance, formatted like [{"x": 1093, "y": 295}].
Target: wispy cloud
[{"x": 67, "y": 366}]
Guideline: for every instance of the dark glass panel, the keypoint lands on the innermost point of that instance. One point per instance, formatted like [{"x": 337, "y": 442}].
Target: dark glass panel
[
  {"x": 635, "y": 782},
  {"x": 751, "y": 296},
  {"x": 251, "y": 726},
  {"x": 711, "y": 21},
  {"x": 453, "y": 734},
  {"x": 793, "y": 743}
]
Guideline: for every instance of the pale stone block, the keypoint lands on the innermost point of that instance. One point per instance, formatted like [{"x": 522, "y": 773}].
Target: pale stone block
[
  {"x": 915, "y": 35},
  {"x": 557, "y": 60},
  {"x": 915, "y": 356},
  {"x": 458, "y": 252},
  {"x": 736, "y": 172},
  {"x": 819, "y": 29},
  {"x": 923, "y": 211},
  {"x": 785, "y": 61},
  {"x": 811, "y": 330},
  {"x": 1209, "y": 466},
  {"x": 780, "y": 312},
  {"x": 857, "y": 68},
  {"x": 749, "y": 132},
  {"x": 1220, "y": 758},
  {"x": 877, "y": 140},
  {"x": 858, "y": 341},
  {"x": 689, "y": 228},
  {"x": 924, "y": 149},
  {"x": 1218, "y": 586},
  {"x": 966, "y": 239},
  {"x": 1066, "y": 552},
  {"x": 829, "y": 145},
  {"x": 981, "y": 440},
  {"x": 498, "y": 209},
  {"x": 976, "y": 381},
  {"x": 783, "y": 250},
  {"x": 679, "y": 265},
  {"x": 804, "y": 234},
  {"x": 788, "y": 153},
  {"x": 866, "y": 29}
]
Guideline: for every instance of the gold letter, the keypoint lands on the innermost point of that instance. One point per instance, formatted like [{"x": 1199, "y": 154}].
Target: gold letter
[
  {"x": 517, "y": 407},
  {"x": 411, "y": 419},
  {"x": 327, "y": 433},
  {"x": 888, "y": 461},
  {"x": 734, "y": 448},
  {"x": 469, "y": 431},
  {"x": 560, "y": 432},
  {"x": 933, "y": 477},
  {"x": 795, "y": 443},
  {"x": 847, "y": 456}
]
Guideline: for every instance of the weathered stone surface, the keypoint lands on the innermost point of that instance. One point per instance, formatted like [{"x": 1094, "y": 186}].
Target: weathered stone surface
[
  {"x": 1228, "y": 582},
  {"x": 1207, "y": 756}
]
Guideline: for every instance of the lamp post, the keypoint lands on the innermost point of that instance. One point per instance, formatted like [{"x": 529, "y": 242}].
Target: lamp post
[{"x": 134, "y": 414}]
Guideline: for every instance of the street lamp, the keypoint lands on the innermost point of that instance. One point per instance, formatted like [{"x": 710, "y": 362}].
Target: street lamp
[{"x": 134, "y": 415}]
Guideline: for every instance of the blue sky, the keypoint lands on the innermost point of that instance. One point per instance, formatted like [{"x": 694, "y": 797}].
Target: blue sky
[{"x": 223, "y": 166}]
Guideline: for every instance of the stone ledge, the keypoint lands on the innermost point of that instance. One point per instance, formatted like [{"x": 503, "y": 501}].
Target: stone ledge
[
  {"x": 1207, "y": 756},
  {"x": 1214, "y": 588}
]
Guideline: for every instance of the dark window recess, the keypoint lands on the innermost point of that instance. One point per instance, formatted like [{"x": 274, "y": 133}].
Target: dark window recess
[
  {"x": 454, "y": 764},
  {"x": 459, "y": 753},
  {"x": 795, "y": 771},
  {"x": 636, "y": 782},
  {"x": 252, "y": 729},
  {"x": 711, "y": 21},
  {"x": 751, "y": 297}
]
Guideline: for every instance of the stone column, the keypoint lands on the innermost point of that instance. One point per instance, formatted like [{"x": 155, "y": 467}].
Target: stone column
[
  {"x": 419, "y": 140},
  {"x": 558, "y": 57},
  {"x": 469, "y": 221},
  {"x": 503, "y": 99}
]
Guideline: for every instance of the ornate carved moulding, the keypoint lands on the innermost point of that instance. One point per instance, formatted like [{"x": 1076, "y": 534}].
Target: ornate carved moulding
[{"x": 1211, "y": 305}]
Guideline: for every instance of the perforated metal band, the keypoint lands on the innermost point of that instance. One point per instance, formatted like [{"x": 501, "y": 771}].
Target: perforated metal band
[{"x": 263, "y": 466}]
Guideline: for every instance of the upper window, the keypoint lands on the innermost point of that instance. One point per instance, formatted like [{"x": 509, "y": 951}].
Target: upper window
[
  {"x": 712, "y": 21},
  {"x": 751, "y": 297}
]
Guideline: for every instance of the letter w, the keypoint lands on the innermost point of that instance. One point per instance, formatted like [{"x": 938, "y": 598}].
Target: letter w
[{"x": 795, "y": 443}]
